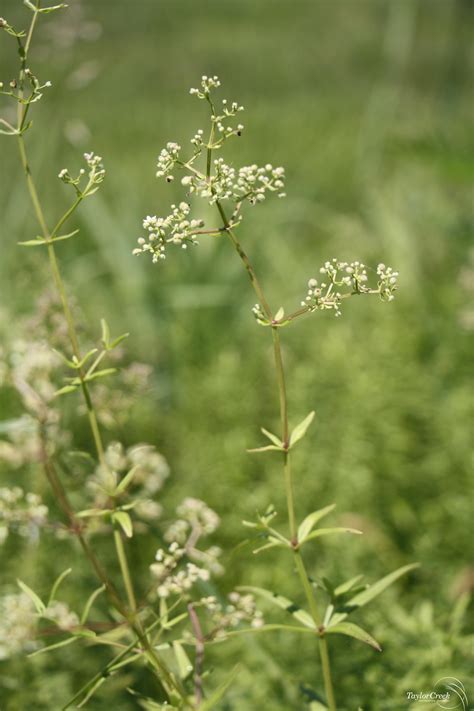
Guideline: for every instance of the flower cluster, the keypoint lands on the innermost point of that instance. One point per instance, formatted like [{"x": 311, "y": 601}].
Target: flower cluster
[
  {"x": 196, "y": 519},
  {"x": 240, "y": 608},
  {"x": 171, "y": 582},
  {"x": 215, "y": 182},
  {"x": 226, "y": 183},
  {"x": 346, "y": 279},
  {"x": 18, "y": 620},
  {"x": 61, "y": 615},
  {"x": 22, "y": 512},
  {"x": 176, "y": 228},
  {"x": 95, "y": 173},
  {"x": 167, "y": 160}
]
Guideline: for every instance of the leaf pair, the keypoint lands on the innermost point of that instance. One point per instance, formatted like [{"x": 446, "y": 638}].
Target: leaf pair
[{"x": 277, "y": 444}]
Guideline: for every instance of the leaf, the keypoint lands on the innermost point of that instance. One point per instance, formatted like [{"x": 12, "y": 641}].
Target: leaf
[
  {"x": 126, "y": 481},
  {"x": 347, "y": 586},
  {"x": 89, "y": 513},
  {"x": 184, "y": 664},
  {"x": 90, "y": 601},
  {"x": 273, "y": 438},
  {"x": 300, "y": 430},
  {"x": 213, "y": 699},
  {"x": 36, "y": 600},
  {"x": 311, "y": 520},
  {"x": 271, "y": 544},
  {"x": 105, "y": 332},
  {"x": 56, "y": 645},
  {"x": 57, "y": 583},
  {"x": 285, "y": 604},
  {"x": 351, "y": 630},
  {"x": 362, "y": 598},
  {"x": 118, "y": 340},
  {"x": 40, "y": 240},
  {"x": 101, "y": 373},
  {"x": 268, "y": 448},
  {"x": 328, "y": 531},
  {"x": 32, "y": 242},
  {"x": 66, "y": 389},
  {"x": 124, "y": 521}
]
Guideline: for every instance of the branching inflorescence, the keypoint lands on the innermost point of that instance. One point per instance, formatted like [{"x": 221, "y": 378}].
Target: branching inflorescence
[{"x": 229, "y": 189}]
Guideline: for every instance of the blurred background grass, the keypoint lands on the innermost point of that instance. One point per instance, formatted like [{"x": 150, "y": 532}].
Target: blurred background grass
[{"x": 368, "y": 105}]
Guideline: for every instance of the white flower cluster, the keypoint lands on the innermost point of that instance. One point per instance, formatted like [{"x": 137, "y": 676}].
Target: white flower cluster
[
  {"x": 217, "y": 181},
  {"x": 171, "y": 582},
  {"x": 240, "y": 608},
  {"x": 194, "y": 515},
  {"x": 150, "y": 472},
  {"x": 167, "y": 159},
  {"x": 95, "y": 175},
  {"x": 207, "y": 84},
  {"x": 195, "y": 520},
  {"x": 18, "y": 620},
  {"x": 176, "y": 228},
  {"x": 61, "y": 615},
  {"x": 247, "y": 183},
  {"x": 347, "y": 279},
  {"x": 21, "y": 512}
]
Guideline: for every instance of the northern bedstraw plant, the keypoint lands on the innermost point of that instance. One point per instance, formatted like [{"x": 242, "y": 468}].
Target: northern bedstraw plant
[
  {"x": 118, "y": 497},
  {"x": 205, "y": 175}
]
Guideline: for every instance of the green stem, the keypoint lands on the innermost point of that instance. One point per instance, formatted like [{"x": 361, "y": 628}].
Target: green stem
[
  {"x": 326, "y": 665},
  {"x": 122, "y": 558},
  {"x": 280, "y": 373},
  {"x": 54, "y": 480}
]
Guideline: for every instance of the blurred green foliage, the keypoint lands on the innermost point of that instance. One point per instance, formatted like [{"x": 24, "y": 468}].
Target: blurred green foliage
[{"x": 368, "y": 105}]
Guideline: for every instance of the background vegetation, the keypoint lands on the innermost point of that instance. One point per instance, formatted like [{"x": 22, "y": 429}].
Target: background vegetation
[{"x": 368, "y": 105}]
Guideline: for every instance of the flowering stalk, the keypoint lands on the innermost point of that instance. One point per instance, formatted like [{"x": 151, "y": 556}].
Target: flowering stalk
[
  {"x": 95, "y": 176},
  {"x": 219, "y": 184}
]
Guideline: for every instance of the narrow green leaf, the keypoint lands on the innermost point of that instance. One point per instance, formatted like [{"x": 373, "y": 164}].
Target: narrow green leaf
[
  {"x": 273, "y": 438},
  {"x": 283, "y": 603},
  {"x": 327, "y": 532},
  {"x": 126, "y": 481},
  {"x": 366, "y": 596},
  {"x": 105, "y": 332},
  {"x": 32, "y": 242},
  {"x": 57, "y": 583},
  {"x": 92, "y": 691},
  {"x": 300, "y": 430},
  {"x": 60, "y": 238},
  {"x": 36, "y": 600},
  {"x": 347, "y": 586},
  {"x": 57, "y": 645},
  {"x": 66, "y": 389},
  {"x": 312, "y": 519},
  {"x": 184, "y": 664},
  {"x": 268, "y": 448},
  {"x": 214, "y": 698},
  {"x": 118, "y": 340},
  {"x": 351, "y": 630},
  {"x": 124, "y": 521},
  {"x": 89, "y": 513},
  {"x": 272, "y": 543},
  {"x": 90, "y": 601},
  {"x": 362, "y": 598},
  {"x": 101, "y": 373}
]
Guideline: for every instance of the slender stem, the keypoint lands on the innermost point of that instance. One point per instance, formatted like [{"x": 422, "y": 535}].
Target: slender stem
[
  {"x": 156, "y": 663},
  {"x": 122, "y": 558},
  {"x": 280, "y": 373},
  {"x": 326, "y": 665}
]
